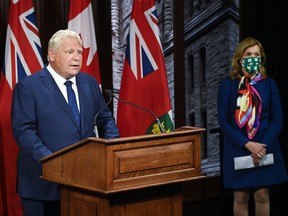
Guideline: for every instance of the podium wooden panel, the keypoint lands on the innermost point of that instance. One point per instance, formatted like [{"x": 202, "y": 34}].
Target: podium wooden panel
[{"x": 139, "y": 175}]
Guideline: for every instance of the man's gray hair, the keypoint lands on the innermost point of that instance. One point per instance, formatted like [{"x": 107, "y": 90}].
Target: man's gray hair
[{"x": 55, "y": 40}]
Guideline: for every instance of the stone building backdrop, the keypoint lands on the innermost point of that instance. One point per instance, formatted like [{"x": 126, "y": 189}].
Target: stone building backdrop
[{"x": 211, "y": 33}]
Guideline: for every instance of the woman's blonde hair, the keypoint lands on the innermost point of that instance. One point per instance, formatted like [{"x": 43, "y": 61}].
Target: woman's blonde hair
[{"x": 243, "y": 45}]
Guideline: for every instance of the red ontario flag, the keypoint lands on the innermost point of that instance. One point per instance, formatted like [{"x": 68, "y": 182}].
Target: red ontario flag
[
  {"x": 23, "y": 56},
  {"x": 81, "y": 21},
  {"x": 144, "y": 78}
]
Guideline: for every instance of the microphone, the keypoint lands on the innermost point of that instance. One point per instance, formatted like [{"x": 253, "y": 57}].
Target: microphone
[
  {"x": 110, "y": 93},
  {"x": 95, "y": 118}
]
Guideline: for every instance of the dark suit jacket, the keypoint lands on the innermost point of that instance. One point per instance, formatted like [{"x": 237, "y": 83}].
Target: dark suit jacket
[
  {"x": 235, "y": 138},
  {"x": 43, "y": 123}
]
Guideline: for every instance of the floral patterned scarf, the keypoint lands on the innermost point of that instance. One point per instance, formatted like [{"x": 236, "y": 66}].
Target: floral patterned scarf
[{"x": 249, "y": 104}]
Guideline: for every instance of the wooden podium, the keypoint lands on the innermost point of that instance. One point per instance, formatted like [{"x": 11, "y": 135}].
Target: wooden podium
[{"x": 130, "y": 176}]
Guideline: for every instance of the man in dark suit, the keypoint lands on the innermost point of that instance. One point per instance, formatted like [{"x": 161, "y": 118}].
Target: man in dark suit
[{"x": 43, "y": 122}]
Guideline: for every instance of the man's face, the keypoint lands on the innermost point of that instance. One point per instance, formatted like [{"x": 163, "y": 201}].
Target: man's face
[{"x": 67, "y": 59}]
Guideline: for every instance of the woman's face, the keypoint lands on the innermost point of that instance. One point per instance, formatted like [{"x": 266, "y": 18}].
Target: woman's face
[{"x": 253, "y": 51}]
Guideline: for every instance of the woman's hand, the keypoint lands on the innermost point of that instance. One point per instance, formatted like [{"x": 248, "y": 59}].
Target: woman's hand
[{"x": 258, "y": 150}]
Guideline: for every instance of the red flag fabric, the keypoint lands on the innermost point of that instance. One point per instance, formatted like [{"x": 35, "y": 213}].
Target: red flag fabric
[
  {"x": 81, "y": 21},
  {"x": 144, "y": 78},
  {"x": 23, "y": 56}
]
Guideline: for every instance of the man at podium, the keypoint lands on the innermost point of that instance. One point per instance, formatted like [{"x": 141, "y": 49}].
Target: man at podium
[{"x": 47, "y": 116}]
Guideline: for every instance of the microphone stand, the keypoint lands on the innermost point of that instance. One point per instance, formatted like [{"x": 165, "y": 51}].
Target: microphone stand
[
  {"x": 95, "y": 118},
  {"x": 110, "y": 93}
]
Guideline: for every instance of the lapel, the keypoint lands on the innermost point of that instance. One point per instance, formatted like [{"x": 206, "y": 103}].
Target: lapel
[
  {"x": 84, "y": 98},
  {"x": 49, "y": 83}
]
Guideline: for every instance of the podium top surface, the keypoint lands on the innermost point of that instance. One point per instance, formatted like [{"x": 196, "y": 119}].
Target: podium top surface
[{"x": 116, "y": 141}]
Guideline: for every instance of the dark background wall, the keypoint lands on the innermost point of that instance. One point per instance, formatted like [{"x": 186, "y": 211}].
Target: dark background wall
[{"x": 267, "y": 21}]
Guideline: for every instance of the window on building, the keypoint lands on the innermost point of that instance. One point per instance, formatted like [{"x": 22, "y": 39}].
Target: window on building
[
  {"x": 190, "y": 7},
  {"x": 202, "y": 65},
  {"x": 192, "y": 119},
  {"x": 191, "y": 72},
  {"x": 204, "y": 147}
]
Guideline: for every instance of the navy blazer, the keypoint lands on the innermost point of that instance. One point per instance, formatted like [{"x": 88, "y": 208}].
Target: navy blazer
[
  {"x": 271, "y": 121},
  {"x": 43, "y": 123}
]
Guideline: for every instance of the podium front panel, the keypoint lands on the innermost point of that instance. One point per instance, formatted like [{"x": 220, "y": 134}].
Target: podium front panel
[
  {"x": 109, "y": 166},
  {"x": 153, "y": 162}
]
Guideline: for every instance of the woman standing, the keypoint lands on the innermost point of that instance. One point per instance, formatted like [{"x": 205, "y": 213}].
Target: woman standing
[{"x": 250, "y": 118}]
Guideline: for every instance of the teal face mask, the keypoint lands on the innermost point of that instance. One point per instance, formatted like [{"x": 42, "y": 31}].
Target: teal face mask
[{"x": 251, "y": 64}]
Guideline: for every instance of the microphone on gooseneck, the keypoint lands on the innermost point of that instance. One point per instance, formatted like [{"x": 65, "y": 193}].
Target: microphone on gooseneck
[
  {"x": 95, "y": 118},
  {"x": 110, "y": 93}
]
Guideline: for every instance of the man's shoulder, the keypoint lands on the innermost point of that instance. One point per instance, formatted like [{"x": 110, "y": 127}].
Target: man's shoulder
[
  {"x": 34, "y": 75},
  {"x": 82, "y": 76}
]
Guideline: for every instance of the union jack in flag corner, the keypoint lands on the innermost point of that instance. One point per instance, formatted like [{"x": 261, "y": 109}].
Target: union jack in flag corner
[
  {"x": 23, "y": 56},
  {"x": 144, "y": 78}
]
